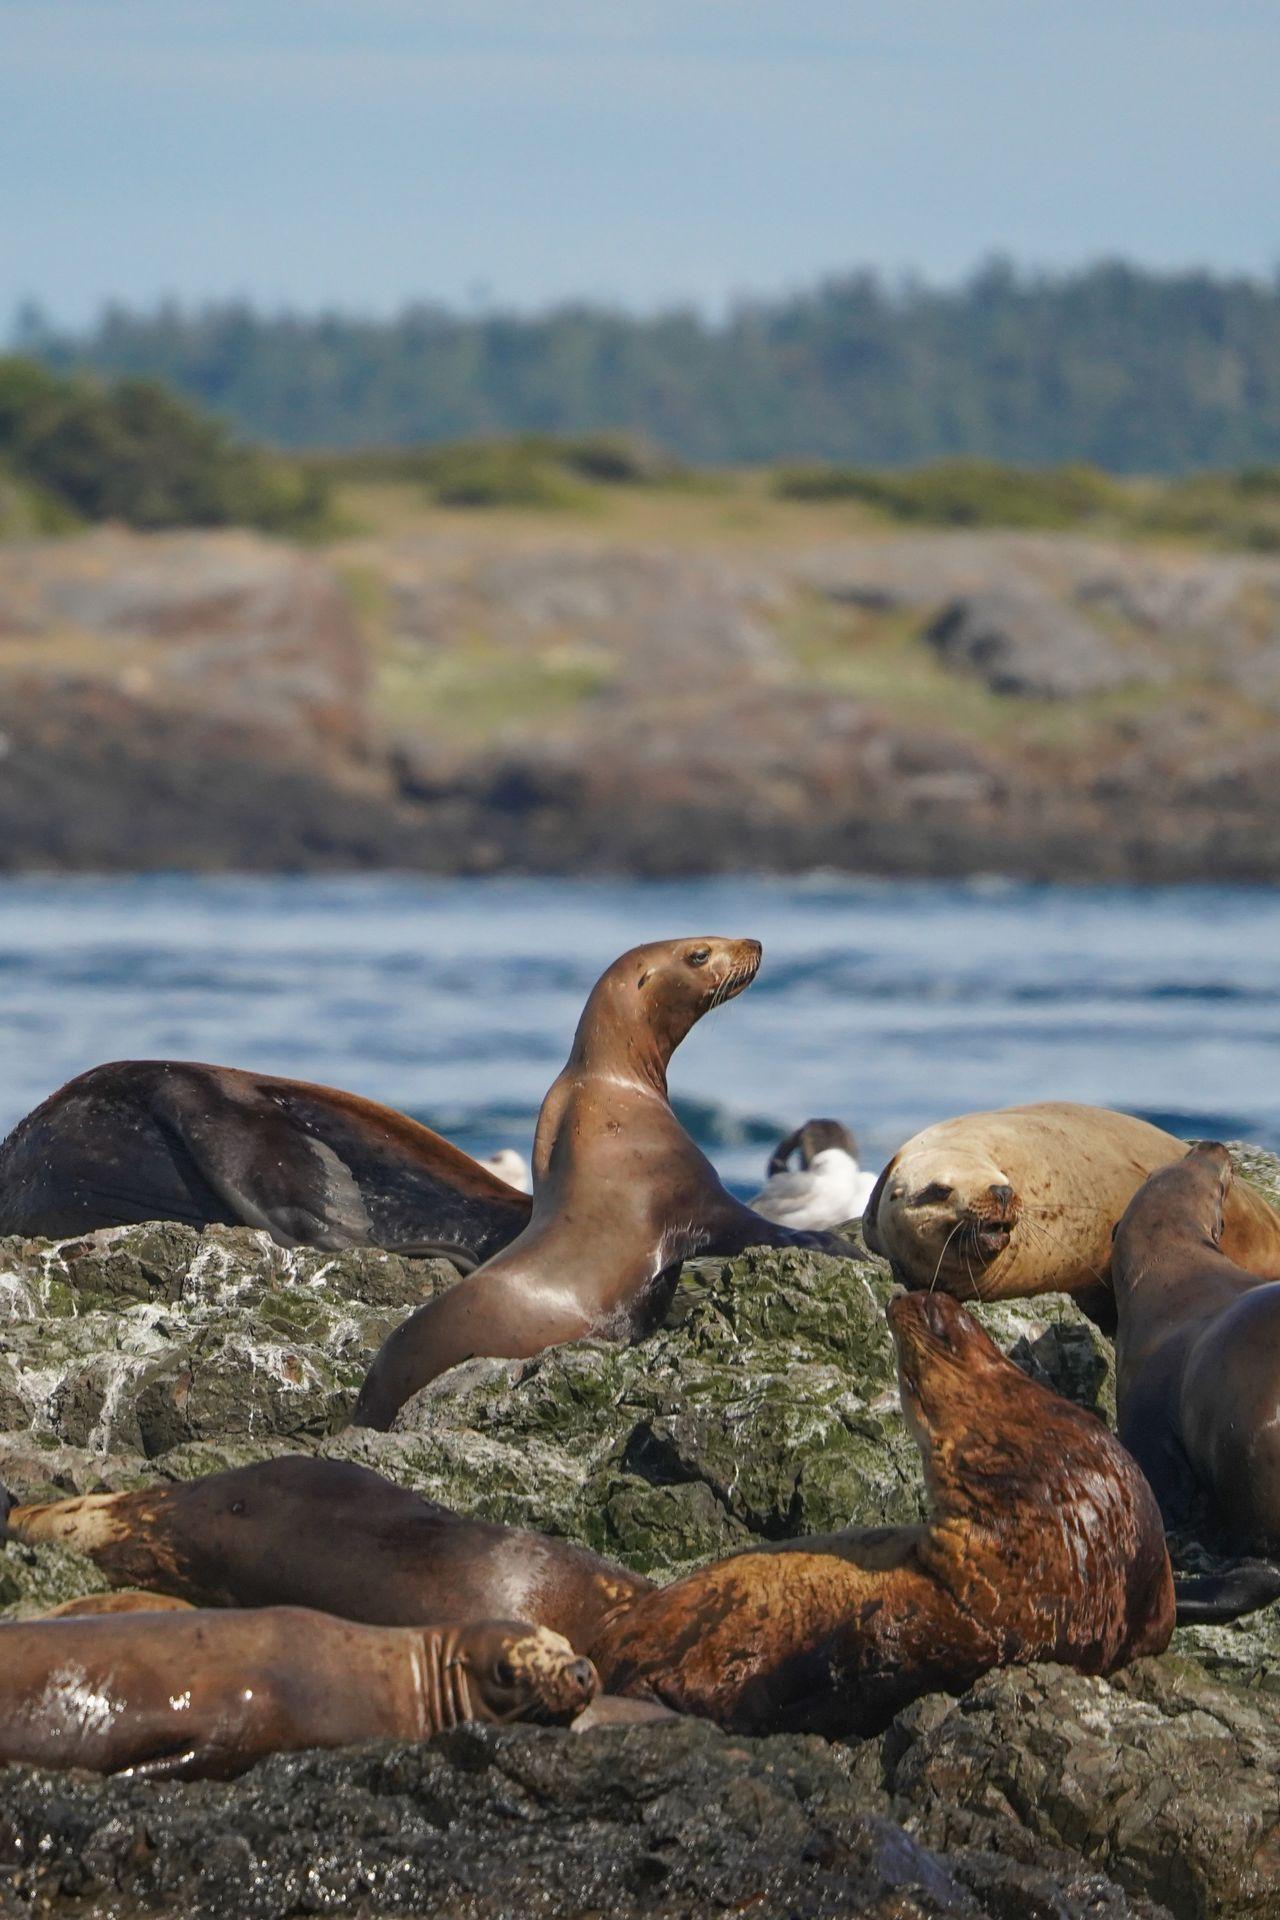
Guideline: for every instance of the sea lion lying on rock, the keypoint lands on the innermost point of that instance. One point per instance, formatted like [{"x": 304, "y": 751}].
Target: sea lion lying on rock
[
  {"x": 992, "y": 1206},
  {"x": 1198, "y": 1353},
  {"x": 313, "y": 1166},
  {"x": 194, "y": 1694},
  {"x": 621, "y": 1194},
  {"x": 297, "y": 1531}
]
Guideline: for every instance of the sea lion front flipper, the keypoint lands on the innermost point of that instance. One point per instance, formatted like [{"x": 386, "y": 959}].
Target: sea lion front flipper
[
  {"x": 1209, "y": 1598},
  {"x": 279, "y": 1178}
]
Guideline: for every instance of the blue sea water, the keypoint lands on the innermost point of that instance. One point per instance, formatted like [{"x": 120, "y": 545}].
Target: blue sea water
[{"x": 887, "y": 1005}]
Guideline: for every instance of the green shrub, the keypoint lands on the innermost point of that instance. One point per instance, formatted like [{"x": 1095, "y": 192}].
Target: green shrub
[
  {"x": 529, "y": 470},
  {"x": 964, "y": 493},
  {"x": 135, "y": 452},
  {"x": 499, "y": 473}
]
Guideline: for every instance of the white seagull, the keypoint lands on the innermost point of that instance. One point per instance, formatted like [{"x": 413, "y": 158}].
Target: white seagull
[{"x": 827, "y": 1189}]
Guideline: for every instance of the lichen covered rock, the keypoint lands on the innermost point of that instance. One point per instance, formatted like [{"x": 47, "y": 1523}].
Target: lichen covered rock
[
  {"x": 766, "y": 1406},
  {"x": 763, "y": 1408}
]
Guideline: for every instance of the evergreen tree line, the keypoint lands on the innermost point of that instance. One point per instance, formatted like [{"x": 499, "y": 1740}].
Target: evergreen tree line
[{"x": 1130, "y": 370}]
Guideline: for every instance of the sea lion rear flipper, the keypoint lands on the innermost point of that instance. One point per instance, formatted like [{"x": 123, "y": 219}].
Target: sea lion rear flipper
[{"x": 1215, "y": 1597}]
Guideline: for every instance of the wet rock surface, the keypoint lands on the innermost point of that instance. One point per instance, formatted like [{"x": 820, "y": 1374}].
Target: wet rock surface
[
  {"x": 491, "y": 1823},
  {"x": 764, "y": 1408}
]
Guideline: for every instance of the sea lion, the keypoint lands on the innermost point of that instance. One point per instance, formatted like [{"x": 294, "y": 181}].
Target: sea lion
[
  {"x": 203, "y": 1695},
  {"x": 1198, "y": 1353},
  {"x": 992, "y": 1206},
  {"x": 1044, "y": 1543},
  {"x": 314, "y": 1166},
  {"x": 127, "y": 1600},
  {"x": 621, "y": 1195},
  {"x": 297, "y": 1531}
]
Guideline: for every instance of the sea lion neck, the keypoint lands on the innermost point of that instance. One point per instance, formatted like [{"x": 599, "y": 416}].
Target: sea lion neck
[{"x": 624, "y": 1047}]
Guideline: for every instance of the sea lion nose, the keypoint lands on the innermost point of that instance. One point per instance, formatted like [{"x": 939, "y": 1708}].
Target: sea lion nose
[
  {"x": 1003, "y": 1196},
  {"x": 581, "y": 1676},
  {"x": 935, "y": 1314}
]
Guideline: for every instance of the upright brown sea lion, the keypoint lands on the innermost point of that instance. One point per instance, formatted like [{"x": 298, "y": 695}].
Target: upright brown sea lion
[
  {"x": 621, "y": 1193},
  {"x": 193, "y": 1695},
  {"x": 316, "y": 1167},
  {"x": 990, "y": 1206},
  {"x": 1045, "y": 1543},
  {"x": 324, "y": 1533},
  {"x": 1198, "y": 1353}
]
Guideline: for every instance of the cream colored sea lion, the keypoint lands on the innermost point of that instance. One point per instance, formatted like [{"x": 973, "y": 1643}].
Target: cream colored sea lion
[
  {"x": 622, "y": 1195},
  {"x": 992, "y": 1206},
  {"x": 195, "y": 1694}
]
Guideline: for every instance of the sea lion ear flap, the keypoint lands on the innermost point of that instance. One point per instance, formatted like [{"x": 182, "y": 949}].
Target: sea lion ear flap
[{"x": 870, "y": 1231}]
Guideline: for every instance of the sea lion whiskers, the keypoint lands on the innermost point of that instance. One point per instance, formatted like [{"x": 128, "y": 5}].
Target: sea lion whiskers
[{"x": 942, "y": 1256}]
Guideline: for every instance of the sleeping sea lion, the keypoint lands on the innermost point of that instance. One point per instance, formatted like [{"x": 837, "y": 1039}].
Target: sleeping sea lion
[
  {"x": 1198, "y": 1353},
  {"x": 991, "y": 1206},
  {"x": 297, "y": 1531},
  {"x": 621, "y": 1194},
  {"x": 315, "y": 1167},
  {"x": 203, "y": 1695}
]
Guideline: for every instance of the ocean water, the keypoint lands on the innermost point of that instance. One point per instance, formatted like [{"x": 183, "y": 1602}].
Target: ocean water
[{"x": 887, "y": 1005}]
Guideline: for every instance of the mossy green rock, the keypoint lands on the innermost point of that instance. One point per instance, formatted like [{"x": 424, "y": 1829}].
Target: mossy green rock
[{"x": 764, "y": 1407}]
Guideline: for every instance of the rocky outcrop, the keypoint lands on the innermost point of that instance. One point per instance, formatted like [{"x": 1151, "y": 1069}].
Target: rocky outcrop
[
  {"x": 487, "y": 1823},
  {"x": 1020, "y": 640},
  {"x": 1162, "y": 1778},
  {"x": 448, "y": 701},
  {"x": 765, "y": 1407}
]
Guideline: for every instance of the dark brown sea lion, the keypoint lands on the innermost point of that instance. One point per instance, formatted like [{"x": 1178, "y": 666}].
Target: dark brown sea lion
[
  {"x": 992, "y": 1206},
  {"x": 1198, "y": 1353},
  {"x": 316, "y": 1167},
  {"x": 324, "y": 1533},
  {"x": 1045, "y": 1543},
  {"x": 621, "y": 1193},
  {"x": 194, "y": 1695}
]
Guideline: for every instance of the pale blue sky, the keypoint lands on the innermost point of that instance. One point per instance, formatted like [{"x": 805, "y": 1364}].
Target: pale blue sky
[{"x": 361, "y": 153}]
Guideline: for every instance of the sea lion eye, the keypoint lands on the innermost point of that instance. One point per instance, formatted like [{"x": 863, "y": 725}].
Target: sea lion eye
[
  {"x": 933, "y": 1192},
  {"x": 504, "y": 1673},
  {"x": 698, "y": 956}
]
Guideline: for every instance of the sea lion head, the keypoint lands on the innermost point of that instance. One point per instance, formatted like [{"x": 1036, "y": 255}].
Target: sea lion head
[
  {"x": 1178, "y": 1206},
  {"x": 510, "y": 1670},
  {"x": 646, "y": 1002},
  {"x": 979, "y": 1421},
  {"x": 1041, "y": 1520},
  {"x": 943, "y": 1214}
]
